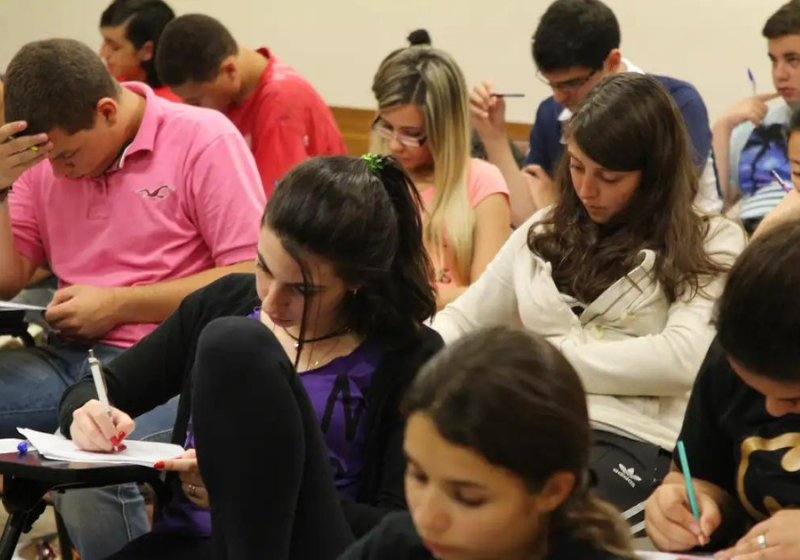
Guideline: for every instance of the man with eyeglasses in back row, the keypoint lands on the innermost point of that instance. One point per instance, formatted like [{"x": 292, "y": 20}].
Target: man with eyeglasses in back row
[{"x": 575, "y": 45}]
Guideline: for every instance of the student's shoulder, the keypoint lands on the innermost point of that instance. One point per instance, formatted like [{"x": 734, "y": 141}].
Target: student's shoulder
[
  {"x": 196, "y": 126},
  {"x": 484, "y": 179},
  {"x": 681, "y": 90},
  {"x": 725, "y": 236},
  {"x": 717, "y": 378},
  {"x": 549, "y": 109},
  {"x": 233, "y": 294},
  {"x": 394, "y": 538}
]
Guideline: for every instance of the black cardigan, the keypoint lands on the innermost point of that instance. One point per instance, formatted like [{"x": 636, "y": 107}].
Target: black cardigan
[{"x": 160, "y": 366}]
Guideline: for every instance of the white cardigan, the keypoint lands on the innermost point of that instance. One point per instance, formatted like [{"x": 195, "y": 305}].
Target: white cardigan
[{"x": 636, "y": 355}]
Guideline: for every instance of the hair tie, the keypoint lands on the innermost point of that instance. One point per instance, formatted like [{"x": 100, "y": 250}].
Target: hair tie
[{"x": 374, "y": 162}]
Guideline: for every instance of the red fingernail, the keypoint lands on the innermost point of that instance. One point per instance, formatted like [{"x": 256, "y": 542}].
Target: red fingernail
[
  {"x": 159, "y": 465},
  {"x": 122, "y": 447},
  {"x": 121, "y": 436},
  {"x": 114, "y": 441}
]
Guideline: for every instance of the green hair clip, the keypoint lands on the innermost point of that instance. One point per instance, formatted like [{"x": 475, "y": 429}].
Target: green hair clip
[{"x": 374, "y": 162}]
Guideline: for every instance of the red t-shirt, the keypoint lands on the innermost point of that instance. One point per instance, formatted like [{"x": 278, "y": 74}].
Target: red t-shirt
[
  {"x": 165, "y": 93},
  {"x": 285, "y": 121}
]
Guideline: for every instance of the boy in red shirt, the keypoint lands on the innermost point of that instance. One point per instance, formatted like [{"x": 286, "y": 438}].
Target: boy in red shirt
[{"x": 280, "y": 114}]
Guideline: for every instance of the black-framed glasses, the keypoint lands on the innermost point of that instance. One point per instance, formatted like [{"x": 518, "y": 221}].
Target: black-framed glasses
[
  {"x": 567, "y": 85},
  {"x": 385, "y": 131}
]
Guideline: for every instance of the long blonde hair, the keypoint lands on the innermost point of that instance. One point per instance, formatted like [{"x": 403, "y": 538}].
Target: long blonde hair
[{"x": 430, "y": 79}]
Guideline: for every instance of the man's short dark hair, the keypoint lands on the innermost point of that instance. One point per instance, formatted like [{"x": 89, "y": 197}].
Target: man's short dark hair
[
  {"x": 144, "y": 21},
  {"x": 758, "y": 315},
  {"x": 575, "y": 33},
  {"x": 192, "y": 49},
  {"x": 56, "y": 84},
  {"x": 786, "y": 21}
]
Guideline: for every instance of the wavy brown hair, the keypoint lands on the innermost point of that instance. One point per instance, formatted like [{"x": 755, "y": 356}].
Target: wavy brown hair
[{"x": 629, "y": 122}]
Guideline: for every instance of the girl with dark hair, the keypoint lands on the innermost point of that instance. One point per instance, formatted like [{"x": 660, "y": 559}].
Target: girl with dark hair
[
  {"x": 293, "y": 407},
  {"x": 498, "y": 450},
  {"x": 621, "y": 275}
]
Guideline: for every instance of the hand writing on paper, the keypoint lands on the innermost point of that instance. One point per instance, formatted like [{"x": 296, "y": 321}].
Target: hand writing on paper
[
  {"x": 779, "y": 535},
  {"x": 189, "y": 474},
  {"x": 94, "y": 430},
  {"x": 487, "y": 111},
  {"x": 669, "y": 520},
  {"x": 540, "y": 186},
  {"x": 84, "y": 311},
  {"x": 16, "y": 155}
]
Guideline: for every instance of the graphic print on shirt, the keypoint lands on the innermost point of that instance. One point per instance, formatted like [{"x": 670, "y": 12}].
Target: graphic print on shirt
[
  {"x": 351, "y": 410},
  {"x": 160, "y": 193},
  {"x": 769, "y": 468},
  {"x": 765, "y": 151}
]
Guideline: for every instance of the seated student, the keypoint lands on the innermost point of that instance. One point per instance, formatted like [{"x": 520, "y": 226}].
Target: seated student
[
  {"x": 131, "y": 30},
  {"x": 423, "y": 120},
  {"x": 282, "y": 117},
  {"x": 473, "y": 491},
  {"x": 621, "y": 275},
  {"x": 742, "y": 426},
  {"x": 307, "y": 385},
  {"x": 749, "y": 137},
  {"x": 575, "y": 45}
]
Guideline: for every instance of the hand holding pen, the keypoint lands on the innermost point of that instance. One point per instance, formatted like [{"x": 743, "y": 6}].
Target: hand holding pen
[{"x": 97, "y": 426}]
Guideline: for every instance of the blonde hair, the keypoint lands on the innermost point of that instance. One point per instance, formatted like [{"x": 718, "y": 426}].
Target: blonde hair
[{"x": 430, "y": 79}]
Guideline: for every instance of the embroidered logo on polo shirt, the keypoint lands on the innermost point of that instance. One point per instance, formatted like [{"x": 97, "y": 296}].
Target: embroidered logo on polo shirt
[
  {"x": 628, "y": 475},
  {"x": 160, "y": 193}
]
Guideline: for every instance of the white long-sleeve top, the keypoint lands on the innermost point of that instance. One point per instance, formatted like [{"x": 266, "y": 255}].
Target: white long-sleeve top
[{"x": 636, "y": 353}]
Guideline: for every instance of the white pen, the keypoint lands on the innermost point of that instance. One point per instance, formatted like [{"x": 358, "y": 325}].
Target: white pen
[
  {"x": 100, "y": 384},
  {"x": 781, "y": 182}
]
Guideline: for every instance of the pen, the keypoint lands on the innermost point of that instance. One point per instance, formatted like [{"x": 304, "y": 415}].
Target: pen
[
  {"x": 508, "y": 95},
  {"x": 752, "y": 80},
  {"x": 32, "y": 148},
  {"x": 781, "y": 182},
  {"x": 100, "y": 384},
  {"x": 687, "y": 478}
]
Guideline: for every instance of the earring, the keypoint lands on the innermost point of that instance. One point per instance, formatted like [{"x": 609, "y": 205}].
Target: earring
[{"x": 355, "y": 292}]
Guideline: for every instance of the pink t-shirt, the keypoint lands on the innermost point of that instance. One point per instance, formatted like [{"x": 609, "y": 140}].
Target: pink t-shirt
[
  {"x": 285, "y": 121},
  {"x": 483, "y": 180},
  {"x": 184, "y": 197}
]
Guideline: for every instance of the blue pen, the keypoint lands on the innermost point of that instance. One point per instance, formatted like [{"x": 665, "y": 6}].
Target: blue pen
[
  {"x": 752, "y": 80},
  {"x": 687, "y": 478},
  {"x": 22, "y": 447}
]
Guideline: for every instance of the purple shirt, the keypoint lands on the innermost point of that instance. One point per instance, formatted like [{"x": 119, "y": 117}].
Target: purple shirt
[{"x": 338, "y": 392}]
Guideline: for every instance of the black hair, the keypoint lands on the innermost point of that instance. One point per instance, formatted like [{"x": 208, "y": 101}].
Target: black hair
[
  {"x": 575, "y": 33},
  {"x": 757, "y": 315},
  {"x": 419, "y": 37},
  {"x": 192, "y": 49},
  {"x": 56, "y": 83},
  {"x": 511, "y": 397},
  {"x": 368, "y": 225},
  {"x": 786, "y": 21},
  {"x": 144, "y": 21}
]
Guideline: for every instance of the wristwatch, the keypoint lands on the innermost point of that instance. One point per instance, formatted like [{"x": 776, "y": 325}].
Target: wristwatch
[{"x": 4, "y": 194}]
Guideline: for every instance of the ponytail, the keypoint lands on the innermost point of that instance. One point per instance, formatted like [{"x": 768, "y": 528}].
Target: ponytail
[{"x": 589, "y": 519}]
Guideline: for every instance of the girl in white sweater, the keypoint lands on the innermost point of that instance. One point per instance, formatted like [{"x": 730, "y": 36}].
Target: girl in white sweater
[{"x": 621, "y": 275}]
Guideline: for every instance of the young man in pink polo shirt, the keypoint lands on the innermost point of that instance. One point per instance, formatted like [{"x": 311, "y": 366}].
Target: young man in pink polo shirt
[
  {"x": 282, "y": 117},
  {"x": 134, "y": 201}
]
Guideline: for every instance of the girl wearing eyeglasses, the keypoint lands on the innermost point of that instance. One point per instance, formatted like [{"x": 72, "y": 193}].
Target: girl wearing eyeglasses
[{"x": 423, "y": 120}]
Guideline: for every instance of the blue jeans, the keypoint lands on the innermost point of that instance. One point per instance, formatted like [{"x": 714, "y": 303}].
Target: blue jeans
[
  {"x": 100, "y": 521},
  {"x": 32, "y": 381}
]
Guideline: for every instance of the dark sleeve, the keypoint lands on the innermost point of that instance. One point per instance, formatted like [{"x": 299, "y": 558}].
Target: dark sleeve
[
  {"x": 144, "y": 376},
  {"x": 695, "y": 115},
  {"x": 394, "y": 537},
  {"x": 538, "y": 144},
  {"x": 708, "y": 447},
  {"x": 391, "y": 490}
]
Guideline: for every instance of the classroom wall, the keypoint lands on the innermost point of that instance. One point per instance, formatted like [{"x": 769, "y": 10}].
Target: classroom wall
[{"x": 338, "y": 44}]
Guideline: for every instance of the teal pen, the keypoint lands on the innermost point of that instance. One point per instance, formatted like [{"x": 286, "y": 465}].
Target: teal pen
[{"x": 687, "y": 478}]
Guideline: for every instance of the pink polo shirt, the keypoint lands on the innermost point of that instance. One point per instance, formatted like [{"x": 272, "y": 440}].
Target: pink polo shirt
[{"x": 184, "y": 197}]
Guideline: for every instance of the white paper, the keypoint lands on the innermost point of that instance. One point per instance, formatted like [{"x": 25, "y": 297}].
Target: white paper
[
  {"x": 667, "y": 556},
  {"x": 11, "y": 306},
  {"x": 9, "y": 445},
  {"x": 59, "y": 448}
]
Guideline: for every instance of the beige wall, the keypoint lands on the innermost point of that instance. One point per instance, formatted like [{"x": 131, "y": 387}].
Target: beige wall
[{"x": 338, "y": 44}]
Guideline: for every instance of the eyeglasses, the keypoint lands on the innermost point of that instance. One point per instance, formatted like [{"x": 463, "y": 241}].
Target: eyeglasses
[
  {"x": 567, "y": 85},
  {"x": 385, "y": 131}
]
